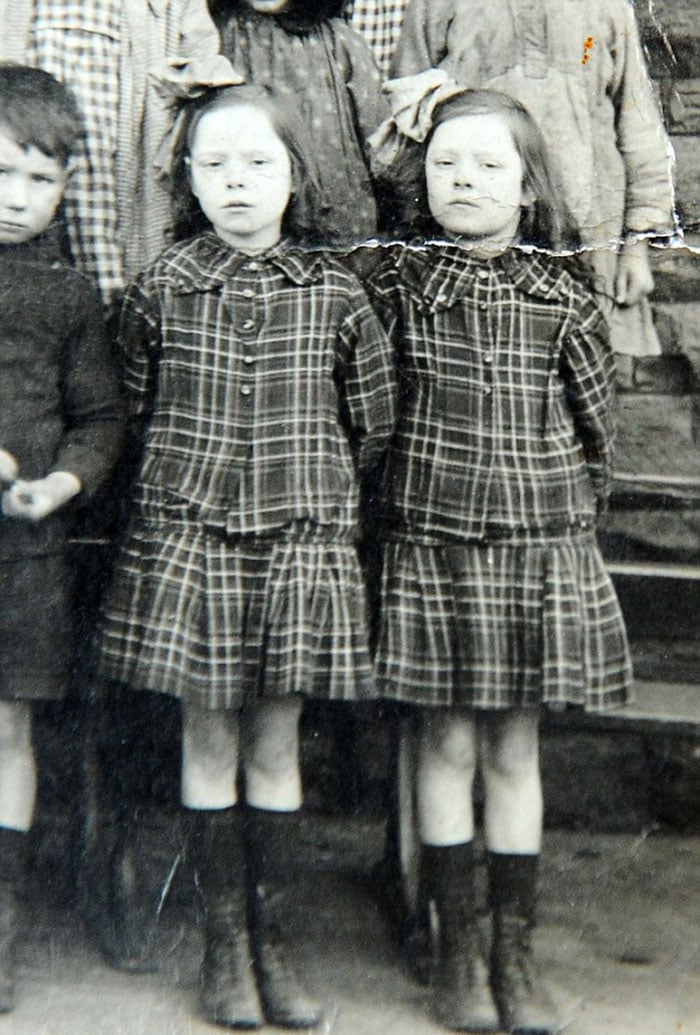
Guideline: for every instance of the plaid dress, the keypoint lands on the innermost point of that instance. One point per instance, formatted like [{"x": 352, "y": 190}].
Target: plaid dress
[
  {"x": 494, "y": 592},
  {"x": 266, "y": 385},
  {"x": 379, "y": 21}
]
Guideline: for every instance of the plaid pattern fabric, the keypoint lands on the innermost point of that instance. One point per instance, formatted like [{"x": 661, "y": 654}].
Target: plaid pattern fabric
[
  {"x": 79, "y": 44},
  {"x": 217, "y": 623},
  {"x": 506, "y": 379},
  {"x": 502, "y": 626},
  {"x": 379, "y": 21},
  {"x": 266, "y": 382}
]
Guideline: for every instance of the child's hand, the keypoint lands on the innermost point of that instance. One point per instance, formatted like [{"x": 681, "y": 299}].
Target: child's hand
[
  {"x": 633, "y": 279},
  {"x": 9, "y": 467},
  {"x": 35, "y": 500}
]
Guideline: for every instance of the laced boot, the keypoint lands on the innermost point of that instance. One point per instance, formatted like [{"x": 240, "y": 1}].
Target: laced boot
[
  {"x": 228, "y": 995},
  {"x": 462, "y": 998},
  {"x": 523, "y": 1003},
  {"x": 13, "y": 847},
  {"x": 286, "y": 1004}
]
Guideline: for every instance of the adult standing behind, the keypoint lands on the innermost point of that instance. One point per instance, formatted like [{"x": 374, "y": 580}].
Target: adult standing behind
[
  {"x": 577, "y": 66},
  {"x": 117, "y": 212}
]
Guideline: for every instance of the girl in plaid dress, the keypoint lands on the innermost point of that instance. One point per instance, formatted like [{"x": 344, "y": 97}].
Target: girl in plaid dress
[
  {"x": 264, "y": 383},
  {"x": 495, "y": 600}
]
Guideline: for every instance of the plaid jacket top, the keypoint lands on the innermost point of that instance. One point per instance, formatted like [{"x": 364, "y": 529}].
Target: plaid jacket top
[
  {"x": 505, "y": 379},
  {"x": 267, "y": 383}
]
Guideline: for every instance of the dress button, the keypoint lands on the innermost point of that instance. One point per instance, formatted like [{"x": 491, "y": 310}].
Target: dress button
[
  {"x": 246, "y": 390},
  {"x": 248, "y": 325},
  {"x": 441, "y": 298},
  {"x": 488, "y": 358},
  {"x": 248, "y": 358},
  {"x": 253, "y": 267},
  {"x": 248, "y": 293},
  {"x": 483, "y": 306},
  {"x": 482, "y": 274},
  {"x": 488, "y": 390}
]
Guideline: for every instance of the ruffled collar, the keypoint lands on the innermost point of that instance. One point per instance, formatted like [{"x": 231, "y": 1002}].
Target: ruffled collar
[
  {"x": 205, "y": 262},
  {"x": 439, "y": 274}
]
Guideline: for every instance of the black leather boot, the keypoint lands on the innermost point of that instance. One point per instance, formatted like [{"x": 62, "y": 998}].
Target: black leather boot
[
  {"x": 523, "y": 1003},
  {"x": 227, "y": 990},
  {"x": 285, "y": 1002},
  {"x": 13, "y": 850},
  {"x": 462, "y": 998}
]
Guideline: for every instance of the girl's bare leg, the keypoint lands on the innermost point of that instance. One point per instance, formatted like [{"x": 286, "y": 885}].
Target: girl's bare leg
[
  {"x": 446, "y": 766},
  {"x": 273, "y": 779},
  {"x": 509, "y": 755},
  {"x": 209, "y": 757}
]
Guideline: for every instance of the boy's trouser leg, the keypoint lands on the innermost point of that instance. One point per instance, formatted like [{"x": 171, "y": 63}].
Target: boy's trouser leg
[
  {"x": 228, "y": 993},
  {"x": 461, "y": 995},
  {"x": 522, "y": 1002},
  {"x": 13, "y": 855},
  {"x": 285, "y": 1002}
]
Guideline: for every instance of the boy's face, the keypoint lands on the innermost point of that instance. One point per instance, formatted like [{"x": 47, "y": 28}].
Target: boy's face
[{"x": 31, "y": 188}]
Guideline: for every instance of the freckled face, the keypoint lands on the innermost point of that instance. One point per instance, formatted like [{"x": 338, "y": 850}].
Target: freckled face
[
  {"x": 241, "y": 174},
  {"x": 474, "y": 176},
  {"x": 31, "y": 187}
]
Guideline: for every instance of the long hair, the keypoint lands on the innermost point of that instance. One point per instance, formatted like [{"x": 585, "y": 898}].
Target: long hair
[
  {"x": 545, "y": 224},
  {"x": 303, "y": 219},
  {"x": 299, "y": 16}
]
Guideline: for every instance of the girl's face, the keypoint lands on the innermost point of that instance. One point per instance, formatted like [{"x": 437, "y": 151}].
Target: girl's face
[
  {"x": 241, "y": 174},
  {"x": 474, "y": 175},
  {"x": 269, "y": 6}
]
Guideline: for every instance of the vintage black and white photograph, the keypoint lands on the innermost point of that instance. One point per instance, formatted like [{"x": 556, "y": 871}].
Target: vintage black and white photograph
[{"x": 349, "y": 517}]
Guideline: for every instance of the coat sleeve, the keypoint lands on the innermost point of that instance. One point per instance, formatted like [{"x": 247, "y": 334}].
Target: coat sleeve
[
  {"x": 423, "y": 40},
  {"x": 587, "y": 367},
  {"x": 93, "y": 409},
  {"x": 641, "y": 138}
]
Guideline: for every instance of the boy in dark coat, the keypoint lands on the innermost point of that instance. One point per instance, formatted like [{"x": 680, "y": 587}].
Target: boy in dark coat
[{"x": 61, "y": 425}]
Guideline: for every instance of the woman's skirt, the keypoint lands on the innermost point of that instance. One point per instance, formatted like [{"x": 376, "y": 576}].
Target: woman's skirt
[
  {"x": 218, "y": 622},
  {"x": 501, "y": 626}
]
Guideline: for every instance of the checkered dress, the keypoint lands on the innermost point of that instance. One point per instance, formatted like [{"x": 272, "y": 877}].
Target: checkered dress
[
  {"x": 266, "y": 383},
  {"x": 79, "y": 43},
  {"x": 379, "y": 21},
  {"x": 494, "y": 592}
]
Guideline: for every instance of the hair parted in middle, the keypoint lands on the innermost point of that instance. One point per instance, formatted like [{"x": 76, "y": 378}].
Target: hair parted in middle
[
  {"x": 545, "y": 223},
  {"x": 306, "y": 216}
]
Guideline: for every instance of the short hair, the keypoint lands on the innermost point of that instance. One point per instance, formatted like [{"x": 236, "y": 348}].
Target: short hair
[
  {"x": 546, "y": 224},
  {"x": 305, "y": 217},
  {"x": 38, "y": 111},
  {"x": 298, "y": 16}
]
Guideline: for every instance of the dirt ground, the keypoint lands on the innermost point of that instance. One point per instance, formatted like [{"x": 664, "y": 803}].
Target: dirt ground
[{"x": 619, "y": 943}]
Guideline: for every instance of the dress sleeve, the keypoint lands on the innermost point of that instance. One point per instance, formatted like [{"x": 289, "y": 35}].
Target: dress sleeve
[
  {"x": 641, "y": 138},
  {"x": 93, "y": 409},
  {"x": 367, "y": 380},
  {"x": 139, "y": 345},
  {"x": 364, "y": 85},
  {"x": 587, "y": 367},
  {"x": 198, "y": 34},
  {"x": 423, "y": 40}
]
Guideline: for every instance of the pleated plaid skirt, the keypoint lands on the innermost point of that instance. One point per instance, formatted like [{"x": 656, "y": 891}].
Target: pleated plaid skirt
[
  {"x": 501, "y": 626},
  {"x": 218, "y": 623}
]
